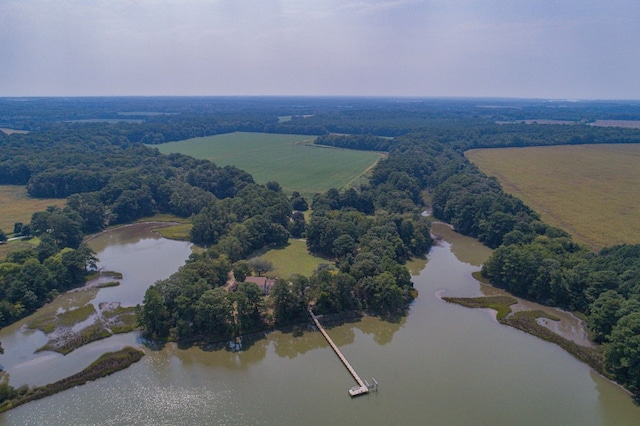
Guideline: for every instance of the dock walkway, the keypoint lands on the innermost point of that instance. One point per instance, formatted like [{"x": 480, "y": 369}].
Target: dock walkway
[{"x": 362, "y": 388}]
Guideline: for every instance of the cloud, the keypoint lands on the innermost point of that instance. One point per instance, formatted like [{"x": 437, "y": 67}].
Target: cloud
[{"x": 528, "y": 48}]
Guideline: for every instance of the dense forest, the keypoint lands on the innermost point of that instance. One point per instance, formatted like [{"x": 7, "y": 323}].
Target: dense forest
[{"x": 366, "y": 234}]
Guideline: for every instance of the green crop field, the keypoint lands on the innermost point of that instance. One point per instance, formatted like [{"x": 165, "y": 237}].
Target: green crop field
[
  {"x": 591, "y": 191},
  {"x": 291, "y": 160}
]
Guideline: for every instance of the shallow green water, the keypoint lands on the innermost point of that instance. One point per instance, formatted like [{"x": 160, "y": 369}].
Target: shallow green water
[{"x": 441, "y": 365}]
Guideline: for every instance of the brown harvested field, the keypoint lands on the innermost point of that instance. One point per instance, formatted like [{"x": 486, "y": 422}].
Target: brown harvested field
[
  {"x": 629, "y": 124},
  {"x": 591, "y": 191},
  {"x": 17, "y": 206},
  {"x": 12, "y": 131}
]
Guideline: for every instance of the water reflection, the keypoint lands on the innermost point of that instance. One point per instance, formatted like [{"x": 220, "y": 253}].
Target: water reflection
[
  {"x": 382, "y": 331},
  {"x": 466, "y": 249}
]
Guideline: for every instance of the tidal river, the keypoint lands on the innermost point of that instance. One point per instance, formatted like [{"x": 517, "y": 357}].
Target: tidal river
[{"x": 441, "y": 365}]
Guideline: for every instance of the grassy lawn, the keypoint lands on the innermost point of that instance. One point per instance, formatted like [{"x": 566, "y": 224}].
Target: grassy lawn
[
  {"x": 591, "y": 191},
  {"x": 17, "y": 206},
  {"x": 292, "y": 259},
  {"x": 291, "y": 160},
  {"x": 14, "y": 245}
]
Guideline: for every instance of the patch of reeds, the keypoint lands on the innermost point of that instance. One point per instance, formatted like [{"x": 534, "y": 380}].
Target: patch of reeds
[
  {"x": 75, "y": 316},
  {"x": 478, "y": 276},
  {"x": 69, "y": 343},
  {"x": 501, "y": 304},
  {"x": 45, "y": 324},
  {"x": 108, "y": 284},
  {"x": 176, "y": 232}
]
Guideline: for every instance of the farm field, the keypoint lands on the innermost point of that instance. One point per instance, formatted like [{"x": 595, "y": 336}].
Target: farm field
[
  {"x": 291, "y": 160},
  {"x": 591, "y": 191},
  {"x": 17, "y": 206}
]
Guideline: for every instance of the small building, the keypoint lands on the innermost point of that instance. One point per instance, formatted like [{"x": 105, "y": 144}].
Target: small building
[{"x": 266, "y": 284}]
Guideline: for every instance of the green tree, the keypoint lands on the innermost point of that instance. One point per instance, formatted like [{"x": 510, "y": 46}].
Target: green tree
[
  {"x": 343, "y": 245},
  {"x": 286, "y": 302},
  {"x": 249, "y": 307},
  {"x": 214, "y": 313},
  {"x": 605, "y": 313},
  {"x": 260, "y": 265},
  {"x": 622, "y": 352},
  {"x": 241, "y": 270},
  {"x": 154, "y": 315}
]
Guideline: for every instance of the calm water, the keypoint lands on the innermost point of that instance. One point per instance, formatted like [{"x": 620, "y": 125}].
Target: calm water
[{"x": 441, "y": 365}]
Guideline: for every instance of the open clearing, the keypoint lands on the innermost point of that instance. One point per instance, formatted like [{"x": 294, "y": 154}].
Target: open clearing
[
  {"x": 291, "y": 160},
  {"x": 591, "y": 191},
  {"x": 17, "y": 206},
  {"x": 292, "y": 259}
]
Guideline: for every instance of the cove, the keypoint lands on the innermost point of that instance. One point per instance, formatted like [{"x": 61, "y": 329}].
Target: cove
[{"x": 442, "y": 364}]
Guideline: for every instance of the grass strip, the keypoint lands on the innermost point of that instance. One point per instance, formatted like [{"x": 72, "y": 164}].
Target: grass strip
[
  {"x": 112, "y": 274},
  {"x": 180, "y": 232},
  {"x": 107, "y": 364},
  {"x": 501, "y": 304},
  {"x": 67, "y": 344},
  {"x": 108, "y": 284},
  {"x": 46, "y": 324},
  {"x": 73, "y": 317},
  {"x": 121, "y": 319}
]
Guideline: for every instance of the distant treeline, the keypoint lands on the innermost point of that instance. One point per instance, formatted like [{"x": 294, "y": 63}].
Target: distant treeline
[
  {"x": 161, "y": 119},
  {"x": 462, "y": 138}
]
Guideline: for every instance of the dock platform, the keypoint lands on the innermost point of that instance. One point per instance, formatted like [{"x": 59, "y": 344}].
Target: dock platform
[{"x": 363, "y": 387}]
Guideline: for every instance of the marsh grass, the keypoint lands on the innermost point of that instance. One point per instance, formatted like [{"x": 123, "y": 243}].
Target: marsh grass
[
  {"x": 478, "y": 276},
  {"x": 75, "y": 316},
  {"x": 112, "y": 274},
  {"x": 586, "y": 190},
  {"x": 109, "y": 284},
  {"x": 68, "y": 343},
  {"x": 45, "y": 324},
  {"x": 121, "y": 319},
  {"x": 164, "y": 217},
  {"x": 176, "y": 232},
  {"x": 501, "y": 304},
  {"x": 65, "y": 340}
]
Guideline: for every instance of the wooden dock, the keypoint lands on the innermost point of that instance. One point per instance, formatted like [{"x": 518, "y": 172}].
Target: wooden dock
[{"x": 362, "y": 387}]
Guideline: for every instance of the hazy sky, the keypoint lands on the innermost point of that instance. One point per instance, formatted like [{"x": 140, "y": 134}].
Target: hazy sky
[{"x": 583, "y": 49}]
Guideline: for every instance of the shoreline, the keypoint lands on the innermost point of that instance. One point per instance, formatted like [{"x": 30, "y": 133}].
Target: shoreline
[
  {"x": 107, "y": 364},
  {"x": 158, "y": 223}
]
